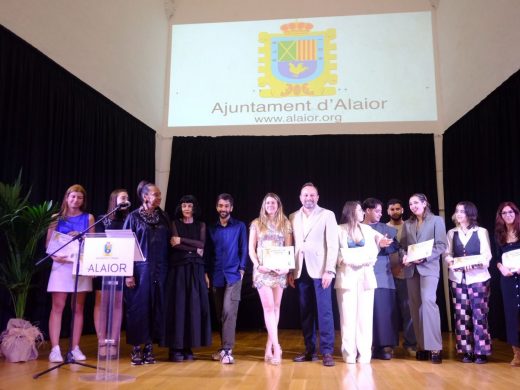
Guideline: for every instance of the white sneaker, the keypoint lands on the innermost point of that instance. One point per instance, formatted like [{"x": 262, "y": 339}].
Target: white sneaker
[
  {"x": 217, "y": 356},
  {"x": 77, "y": 354},
  {"x": 227, "y": 358},
  {"x": 55, "y": 355}
]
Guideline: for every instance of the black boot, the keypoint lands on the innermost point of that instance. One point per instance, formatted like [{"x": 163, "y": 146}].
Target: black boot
[
  {"x": 136, "y": 357},
  {"x": 148, "y": 356}
]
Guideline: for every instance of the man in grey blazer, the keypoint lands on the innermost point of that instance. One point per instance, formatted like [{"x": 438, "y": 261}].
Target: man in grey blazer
[{"x": 315, "y": 233}]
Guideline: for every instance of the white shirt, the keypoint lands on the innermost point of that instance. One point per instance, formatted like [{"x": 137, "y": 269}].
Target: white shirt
[{"x": 478, "y": 274}]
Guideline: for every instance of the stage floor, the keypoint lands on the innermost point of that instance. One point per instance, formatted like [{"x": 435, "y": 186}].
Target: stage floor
[{"x": 251, "y": 372}]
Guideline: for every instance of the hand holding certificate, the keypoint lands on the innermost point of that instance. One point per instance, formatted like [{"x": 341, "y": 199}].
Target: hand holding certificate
[
  {"x": 419, "y": 251},
  {"x": 69, "y": 252},
  {"x": 278, "y": 257},
  {"x": 466, "y": 261},
  {"x": 511, "y": 260}
]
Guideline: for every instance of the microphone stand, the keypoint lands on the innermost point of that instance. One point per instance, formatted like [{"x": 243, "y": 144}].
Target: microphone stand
[{"x": 69, "y": 358}]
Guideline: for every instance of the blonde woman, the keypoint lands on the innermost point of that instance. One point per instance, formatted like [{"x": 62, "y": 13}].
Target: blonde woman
[
  {"x": 271, "y": 228},
  {"x": 72, "y": 220}
]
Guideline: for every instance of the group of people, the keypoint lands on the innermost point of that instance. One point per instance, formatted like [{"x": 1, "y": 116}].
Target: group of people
[{"x": 380, "y": 285}]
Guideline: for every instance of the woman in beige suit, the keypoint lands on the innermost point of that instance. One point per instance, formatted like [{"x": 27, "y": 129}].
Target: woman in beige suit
[{"x": 355, "y": 282}]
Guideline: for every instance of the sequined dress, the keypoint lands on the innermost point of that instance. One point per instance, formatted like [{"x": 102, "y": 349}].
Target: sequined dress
[{"x": 266, "y": 239}]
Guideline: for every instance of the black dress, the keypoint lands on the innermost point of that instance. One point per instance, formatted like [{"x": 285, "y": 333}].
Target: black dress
[
  {"x": 145, "y": 302},
  {"x": 188, "y": 322},
  {"x": 510, "y": 296}
]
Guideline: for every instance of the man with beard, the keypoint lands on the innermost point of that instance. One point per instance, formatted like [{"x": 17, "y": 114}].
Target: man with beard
[
  {"x": 385, "y": 333},
  {"x": 395, "y": 212},
  {"x": 316, "y": 244},
  {"x": 226, "y": 255}
]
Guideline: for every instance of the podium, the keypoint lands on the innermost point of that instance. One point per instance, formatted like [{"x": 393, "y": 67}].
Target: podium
[{"x": 110, "y": 255}]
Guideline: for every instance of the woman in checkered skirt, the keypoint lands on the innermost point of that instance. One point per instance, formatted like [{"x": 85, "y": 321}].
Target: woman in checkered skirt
[{"x": 469, "y": 283}]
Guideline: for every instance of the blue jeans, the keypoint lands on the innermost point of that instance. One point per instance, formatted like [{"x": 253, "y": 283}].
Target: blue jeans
[{"x": 315, "y": 303}]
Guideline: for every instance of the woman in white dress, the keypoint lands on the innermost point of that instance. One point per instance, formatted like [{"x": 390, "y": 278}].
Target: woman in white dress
[{"x": 71, "y": 219}]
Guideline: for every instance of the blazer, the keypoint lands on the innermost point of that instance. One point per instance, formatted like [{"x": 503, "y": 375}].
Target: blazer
[
  {"x": 318, "y": 246},
  {"x": 432, "y": 227},
  {"x": 347, "y": 277}
]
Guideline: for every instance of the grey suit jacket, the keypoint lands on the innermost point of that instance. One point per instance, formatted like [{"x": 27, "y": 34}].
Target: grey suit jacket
[
  {"x": 432, "y": 227},
  {"x": 319, "y": 245}
]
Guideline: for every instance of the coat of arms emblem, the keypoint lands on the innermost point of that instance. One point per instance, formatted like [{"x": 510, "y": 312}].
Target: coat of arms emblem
[{"x": 297, "y": 62}]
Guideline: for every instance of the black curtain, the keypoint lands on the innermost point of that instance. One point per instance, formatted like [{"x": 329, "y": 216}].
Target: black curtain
[
  {"x": 60, "y": 131},
  {"x": 482, "y": 164},
  {"x": 343, "y": 167}
]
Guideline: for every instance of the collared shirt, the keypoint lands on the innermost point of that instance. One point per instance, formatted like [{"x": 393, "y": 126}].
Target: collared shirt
[{"x": 226, "y": 252}]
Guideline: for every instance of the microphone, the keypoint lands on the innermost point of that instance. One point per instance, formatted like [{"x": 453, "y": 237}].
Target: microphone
[{"x": 124, "y": 205}]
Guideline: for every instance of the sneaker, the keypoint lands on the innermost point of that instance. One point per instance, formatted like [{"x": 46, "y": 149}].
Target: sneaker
[
  {"x": 467, "y": 358},
  {"x": 55, "y": 355},
  {"x": 136, "y": 356},
  {"x": 227, "y": 358},
  {"x": 217, "y": 356},
  {"x": 148, "y": 356},
  {"x": 77, "y": 354}
]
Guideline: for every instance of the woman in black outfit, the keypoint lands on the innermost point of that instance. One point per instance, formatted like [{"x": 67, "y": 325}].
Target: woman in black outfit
[
  {"x": 144, "y": 292},
  {"x": 507, "y": 235},
  {"x": 188, "y": 322}
]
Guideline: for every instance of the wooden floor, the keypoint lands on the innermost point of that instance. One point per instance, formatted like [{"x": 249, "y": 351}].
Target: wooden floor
[{"x": 250, "y": 371}]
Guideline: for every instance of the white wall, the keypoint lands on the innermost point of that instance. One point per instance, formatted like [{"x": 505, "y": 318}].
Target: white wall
[
  {"x": 118, "y": 47},
  {"x": 479, "y": 48}
]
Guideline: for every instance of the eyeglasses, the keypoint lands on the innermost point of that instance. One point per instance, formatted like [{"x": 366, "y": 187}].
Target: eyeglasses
[{"x": 507, "y": 212}]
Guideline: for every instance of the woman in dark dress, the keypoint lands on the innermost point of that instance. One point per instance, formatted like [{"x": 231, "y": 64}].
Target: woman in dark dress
[
  {"x": 114, "y": 221},
  {"x": 144, "y": 292},
  {"x": 507, "y": 235},
  {"x": 188, "y": 322}
]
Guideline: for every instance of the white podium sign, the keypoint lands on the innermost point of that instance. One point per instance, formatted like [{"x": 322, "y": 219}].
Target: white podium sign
[{"x": 108, "y": 256}]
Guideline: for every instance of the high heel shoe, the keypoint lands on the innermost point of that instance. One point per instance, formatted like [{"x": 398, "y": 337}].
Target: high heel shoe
[
  {"x": 277, "y": 355},
  {"x": 268, "y": 352}
]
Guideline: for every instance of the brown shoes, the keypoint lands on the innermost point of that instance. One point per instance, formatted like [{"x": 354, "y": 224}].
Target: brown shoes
[
  {"x": 328, "y": 360},
  {"x": 305, "y": 357}
]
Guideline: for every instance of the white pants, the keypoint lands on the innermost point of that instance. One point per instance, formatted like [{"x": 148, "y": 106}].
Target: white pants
[{"x": 356, "y": 313}]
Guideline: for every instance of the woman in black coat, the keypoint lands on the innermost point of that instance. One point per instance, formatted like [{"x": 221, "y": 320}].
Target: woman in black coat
[{"x": 144, "y": 292}]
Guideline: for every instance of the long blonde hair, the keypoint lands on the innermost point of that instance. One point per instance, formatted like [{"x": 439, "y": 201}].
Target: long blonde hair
[
  {"x": 64, "y": 209},
  {"x": 280, "y": 219}
]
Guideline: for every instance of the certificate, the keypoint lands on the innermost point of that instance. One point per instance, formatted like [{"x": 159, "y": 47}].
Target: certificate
[
  {"x": 278, "y": 257},
  {"x": 69, "y": 252},
  {"x": 466, "y": 261},
  {"x": 355, "y": 256},
  {"x": 419, "y": 251},
  {"x": 511, "y": 260}
]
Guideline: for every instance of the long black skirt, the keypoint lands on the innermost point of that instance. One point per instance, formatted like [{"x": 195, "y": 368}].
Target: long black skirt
[
  {"x": 385, "y": 333},
  {"x": 511, "y": 298},
  {"x": 187, "y": 315}
]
